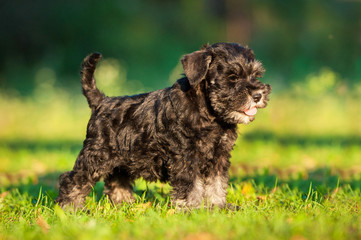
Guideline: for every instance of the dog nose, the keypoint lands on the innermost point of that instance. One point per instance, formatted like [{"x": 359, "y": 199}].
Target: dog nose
[{"x": 257, "y": 97}]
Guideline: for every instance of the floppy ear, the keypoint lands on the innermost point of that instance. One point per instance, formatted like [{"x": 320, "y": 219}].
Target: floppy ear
[{"x": 195, "y": 66}]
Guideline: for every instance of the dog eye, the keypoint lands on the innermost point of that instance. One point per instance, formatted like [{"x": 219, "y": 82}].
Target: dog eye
[{"x": 233, "y": 77}]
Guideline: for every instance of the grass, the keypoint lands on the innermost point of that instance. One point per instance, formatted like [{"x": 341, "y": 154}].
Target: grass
[
  {"x": 295, "y": 173},
  {"x": 282, "y": 213}
]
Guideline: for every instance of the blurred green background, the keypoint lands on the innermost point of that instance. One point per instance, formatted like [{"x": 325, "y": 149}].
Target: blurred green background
[
  {"x": 293, "y": 40},
  {"x": 311, "y": 50}
]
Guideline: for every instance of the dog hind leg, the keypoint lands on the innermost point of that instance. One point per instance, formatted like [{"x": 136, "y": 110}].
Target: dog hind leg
[
  {"x": 75, "y": 185},
  {"x": 119, "y": 187}
]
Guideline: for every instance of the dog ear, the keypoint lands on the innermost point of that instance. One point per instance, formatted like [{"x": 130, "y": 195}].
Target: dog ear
[{"x": 195, "y": 66}]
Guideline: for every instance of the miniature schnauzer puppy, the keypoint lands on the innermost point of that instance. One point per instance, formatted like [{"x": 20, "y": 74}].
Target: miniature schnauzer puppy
[{"x": 181, "y": 134}]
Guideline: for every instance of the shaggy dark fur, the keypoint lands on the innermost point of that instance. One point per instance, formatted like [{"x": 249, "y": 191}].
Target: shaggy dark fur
[{"x": 182, "y": 134}]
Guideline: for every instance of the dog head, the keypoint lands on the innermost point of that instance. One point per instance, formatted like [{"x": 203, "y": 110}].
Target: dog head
[{"x": 231, "y": 75}]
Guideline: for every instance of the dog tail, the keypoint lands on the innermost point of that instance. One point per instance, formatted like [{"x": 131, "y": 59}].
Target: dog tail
[{"x": 90, "y": 90}]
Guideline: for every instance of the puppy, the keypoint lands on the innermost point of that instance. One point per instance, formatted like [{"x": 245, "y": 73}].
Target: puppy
[{"x": 182, "y": 134}]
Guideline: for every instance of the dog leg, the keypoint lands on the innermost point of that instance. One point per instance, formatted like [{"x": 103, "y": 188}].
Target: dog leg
[
  {"x": 119, "y": 186},
  {"x": 75, "y": 185},
  {"x": 215, "y": 190},
  {"x": 188, "y": 194}
]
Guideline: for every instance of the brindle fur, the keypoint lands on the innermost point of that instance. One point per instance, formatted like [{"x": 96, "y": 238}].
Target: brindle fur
[{"x": 181, "y": 134}]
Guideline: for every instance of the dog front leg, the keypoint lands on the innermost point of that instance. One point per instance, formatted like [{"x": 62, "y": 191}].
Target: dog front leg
[
  {"x": 215, "y": 190},
  {"x": 187, "y": 193}
]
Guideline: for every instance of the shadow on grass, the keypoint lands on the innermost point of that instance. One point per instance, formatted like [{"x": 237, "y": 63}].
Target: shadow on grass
[
  {"x": 320, "y": 179},
  {"x": 302, "y": 141},
  {"x": 32, "y": 146}
]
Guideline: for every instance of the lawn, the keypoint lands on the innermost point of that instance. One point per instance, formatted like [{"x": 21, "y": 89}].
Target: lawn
[{"x": 295, "y": 173}]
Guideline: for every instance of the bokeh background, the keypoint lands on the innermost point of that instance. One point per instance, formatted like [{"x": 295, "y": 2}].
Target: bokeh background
[{"x": 311, "y": 50}]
